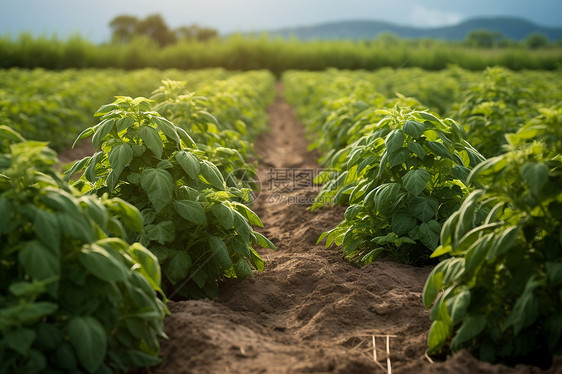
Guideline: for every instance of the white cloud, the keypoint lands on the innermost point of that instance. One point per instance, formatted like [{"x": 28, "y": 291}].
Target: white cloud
[{"x": 422, "y": 16}]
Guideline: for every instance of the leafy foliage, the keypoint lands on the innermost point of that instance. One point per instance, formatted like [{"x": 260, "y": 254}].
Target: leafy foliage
[
  {"x": 193, "y": 222},
  {"x": 496, "y": 105},
  {"x": 74, "y": 296},
  {"x": 499, "y": 294},
  {"x": 402, "y": 182},
  {"x": 225, "y": 136},
  {"x": 55, "y": 106}
]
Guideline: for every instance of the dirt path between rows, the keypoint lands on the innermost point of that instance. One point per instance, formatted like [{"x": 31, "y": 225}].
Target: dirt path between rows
[{"x": 309, "y": 311}]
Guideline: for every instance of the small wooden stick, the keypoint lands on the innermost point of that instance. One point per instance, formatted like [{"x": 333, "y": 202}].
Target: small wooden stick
[
  {"x": 374, "y": 350},
  {"x": 388, "y": 355},
  {"x": 428, "y": 358}
]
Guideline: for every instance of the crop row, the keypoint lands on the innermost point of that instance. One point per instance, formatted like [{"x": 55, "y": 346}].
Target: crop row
[
  {"x": 420, "y": 190},
  {"x": 88, "y": 265},
  {"x": 54, "y": 106}
]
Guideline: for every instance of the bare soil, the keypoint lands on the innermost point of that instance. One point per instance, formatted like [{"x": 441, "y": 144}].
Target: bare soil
[{"x": 309, "y": 311}]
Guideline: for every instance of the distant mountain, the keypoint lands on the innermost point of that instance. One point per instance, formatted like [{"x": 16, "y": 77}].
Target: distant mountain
[{"x": 512, "y": 28}]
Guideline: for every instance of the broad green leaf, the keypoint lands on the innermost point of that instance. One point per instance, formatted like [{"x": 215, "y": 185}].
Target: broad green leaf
[
  {"x": 164, "y": 232},
  {"x": 459, "y": 307},
  {"x": 124, "y": 123},
  {"x": 535, "y": 174},
  {"x": 77, "y": 166},
  {"x": 242, "y": 227},
  {"x": 224, "y": 215},
  {"x": 165, "y": 164},
  {"x": 415, "y": 181},
  {"x": 189, "y": 163},
  {"x": 39, "y": 262},
  {"x": 402, "y": 222},
  {"x": 252, "y": 217},
  {"x": 398, "y": 157},
  {"x": 416, "y": 149},
  {"x": 504, "y": 242},
  {"x": 438, "y": 149},
  {"x": 351, "y": 212},
  {"x": 212, "y": 175},
  {"x": 19, "y": 340},
  {"x": 471, "y": 327},
  {"x": 84, "y": 134},
  {"x": 461, "y": 172},
  {"x": 152, "y": 140},
  {"x": 262, "y": 241},
  {"x": 148, "y": 262},
  {"x": 168, "y": 128},
  {"x": 106, "y": 109},
  {"x": 424, "y": 208},
  {"x": 49, "y": 336},
  {"x": 127, "y": 213},
  {"x": 90, "y": 172},
  {"x": 441, "y": 250},
  {"x": 220, "y": 252},
  {"x": 394, "y": 141},
  {"x": 66, "y": 358},
  {"x": 429, "y": 234},
  {"x": 429, "y": 117},
  {"x": 120, "y": 156},
  {"x": 27, "y": 289},
  {"x": 466, "y": 214},
  {"x": 101, "y": 263},
  {"x": 413, "y": 128},
  {"x": 102, "y": 130},
  {"x": 95, "y": 210},
  {"x": 191, "y": 211},
  {"x": 184, "y": 136},
  {"x": 60, "y": 200},
  {"x": 476, "y": 254},
  {"x": 36, "y": 362},
  {"x": 177, "y": 266},
  {"x": 385, "y": 196},
  {"x": 371, "y": 255},
  {"x": 554, "y": 272},
  {"x": 526, "y": 309},
  {"x": 89, "y": 340},
  {"x": 29, "y": 313},
  {"x": 448, "y": 229},
  {"x": 243, "y": 270},
  {"x": 438, "y": 335},
  {"x": 240, "y": 246},
  {"x": 76, "y": 226},
  {"x": 159, "y": 186},
  {"x": 47, "y": 228}
]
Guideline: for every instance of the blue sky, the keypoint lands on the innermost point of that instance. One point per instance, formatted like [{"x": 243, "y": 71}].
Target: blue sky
[{"x": 91, "y": 18}]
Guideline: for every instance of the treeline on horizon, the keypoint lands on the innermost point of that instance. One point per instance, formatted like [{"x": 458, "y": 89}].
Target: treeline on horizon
[{"x": 139, "y": 43}]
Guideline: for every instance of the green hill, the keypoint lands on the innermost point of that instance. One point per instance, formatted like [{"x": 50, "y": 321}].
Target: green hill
[{"x": 512, "y": 28}]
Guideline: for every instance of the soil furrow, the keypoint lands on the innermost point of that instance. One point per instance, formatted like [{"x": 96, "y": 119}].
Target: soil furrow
[{"x": 309, "y": 310}]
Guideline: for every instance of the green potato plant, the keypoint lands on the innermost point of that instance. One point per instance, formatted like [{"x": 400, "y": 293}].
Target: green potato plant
[
  {"x": 74, "y": 295},
  {"x": 401, "y": 182},
  {"x": 193, "y": 222},
  {"x": 499, "y": 294},
  {"x": 227, "y": 147}
]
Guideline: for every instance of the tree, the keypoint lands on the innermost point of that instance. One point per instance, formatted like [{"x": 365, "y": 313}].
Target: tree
[
  {"x": 154, "y": 27},
  {"x": 123, "y": 28},
  {"x": 482, "y": 38},
  {"x": 186, "y": 32},
  {"x": 194, "y": 31},
  {"x": 536, "y": 40},
  {"x": 206, "y": 33}
]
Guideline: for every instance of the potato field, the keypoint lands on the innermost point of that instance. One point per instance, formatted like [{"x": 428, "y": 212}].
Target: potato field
[{"x": 339, "y": 221}]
